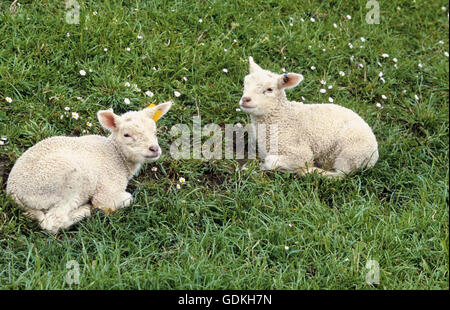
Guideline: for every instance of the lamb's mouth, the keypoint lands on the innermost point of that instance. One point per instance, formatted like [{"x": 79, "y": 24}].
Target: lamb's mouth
[
  {"x": 247, "y": 107},
  {"x": 155, "y": 156}
]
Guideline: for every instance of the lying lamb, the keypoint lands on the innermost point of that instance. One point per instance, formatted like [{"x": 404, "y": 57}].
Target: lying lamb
[
  {"x": 326, "y": 138},
  {"x": 59, "y": 180}
]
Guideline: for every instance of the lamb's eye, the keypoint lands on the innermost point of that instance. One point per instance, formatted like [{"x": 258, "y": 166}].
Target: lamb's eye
[
  {"x": 126, "y": 135},
  {"x": 269, "y": 90}
]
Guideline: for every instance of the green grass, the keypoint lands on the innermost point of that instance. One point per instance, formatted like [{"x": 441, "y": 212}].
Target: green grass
[{"x": 230, "y": 224}]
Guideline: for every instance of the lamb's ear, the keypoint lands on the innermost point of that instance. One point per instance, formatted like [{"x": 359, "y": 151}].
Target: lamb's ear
[
  {"x": 253, "y": 66},
  {"x": 108, "y": 119},
  {"x": 289, "y": 80},
  {"x": 158, "y": 111}
]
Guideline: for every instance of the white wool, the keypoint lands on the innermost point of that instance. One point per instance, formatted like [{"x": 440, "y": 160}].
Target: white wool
[
  {"x": 326, "y": 138},
  {"x": 60, "y": 179}
]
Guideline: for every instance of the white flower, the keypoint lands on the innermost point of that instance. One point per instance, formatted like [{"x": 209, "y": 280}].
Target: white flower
[
  {"x": 313, "y": 68},
  {"x": 384, "y": 97},
  {"x": 126, "y": 101},
  {"x": 185, "y": 78},
  {"x": 67, "y": 108},
  {"x": 89, "y": 124},
  {"x": 349, "y": 17},
  {"x": 385, "y": 55},
  {"x": 154, "y": 68},
  {"x": 416, "y": 97},
  {"x": 341, "y": 73},
  {"x": 290, "y": 225},
  {"x": 139, "y": 37},
  {"x": 200, "y": 20},
  {"x": 312, "y": 19},
  {"x": 350, "y": 45},
  {"x": 309, "y": 46},
  {"x": 105, "y": 49},
  {"x": 283, "y": 69},
  {"x": 68, "y": 34},
  {"x": 330, "y": 99},
  {"x": 323, "y": 91},
  {"x": 79, "y": 98},
  {"x": 235, "y": 41},
  {"x": 238, "y": 110},
  {"x": 182, "y": 180},
  {"x": 178, "y": 186},
  {"x": 352, "y": 58},
  {"x": 394, "y": 59},
  {"x": 335, "y": 25},
  {"x": 94, "y": 13},
  {"x": 8, "y": 99},
  {"x": 2, "y": 142},
  {"x": 441, "y": 42},
  {"x": 148, "y": 93},
  {"x": 75, "y": 115},
  {"x": 346, "y": 260},
  {"x": 291, "y": 24},
  {"x": 446, "y": 54},
  {"x": 90, "y": 70},
  {"x": 302, "y": 20},
  {"x": 330, "y": 86},
  {"x": 382, "y": 80},
  {"x": 380, "y": 74},
  {"x": 303, "y": 98},
  {"x": 444, "y": 8},
  {"x": 82, "y": 72},
  {"x": 323, "y": 82},
  {"x": 127, "y": 84},
  {"x": 4, "y": 138},
  {"x": 225, "y": 70},
  {"x": 225, "y": 50},
  {"x": 324, "y": 50},
  {"x": 361, "y": 65},
  {"x": 154, "y": 169},
  {"x": 286, "y": 247},
  {"x": 378, "y": 105},
  {"x": 128, "y": 49},
  {"x": 177, "y": 94},
  {"x": 395, "y": 66},
  {"x": 363, "y": 39}
]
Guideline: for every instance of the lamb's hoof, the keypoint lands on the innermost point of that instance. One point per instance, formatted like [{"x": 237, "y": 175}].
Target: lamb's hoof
[{"x": 98, "y": 211}]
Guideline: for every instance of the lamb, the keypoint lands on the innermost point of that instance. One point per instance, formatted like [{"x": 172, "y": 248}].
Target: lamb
[
  {"x": 326, "y": 138},
  {"x": 61, "y": 179}
]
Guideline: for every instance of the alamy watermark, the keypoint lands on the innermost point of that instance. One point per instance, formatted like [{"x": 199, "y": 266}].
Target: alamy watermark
[
  {"x": 73, "y": 275},
  {"x": 373, "y": 275},
  {"x": 373, "y": 16}
]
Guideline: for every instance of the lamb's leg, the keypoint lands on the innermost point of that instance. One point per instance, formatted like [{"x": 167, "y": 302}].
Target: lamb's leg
[
  {"x": 58, "y": 217},
  {"x": 80, "y": 213},
  {"x": 110, "y": 203}
]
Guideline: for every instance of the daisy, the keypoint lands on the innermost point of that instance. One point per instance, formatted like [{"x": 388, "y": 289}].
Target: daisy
[
  {"x": 416, "y": 97},
  {"x": 128, "y": 49},
  {"x": 335, "y": 25},
  {"x": 126, "y": 101},
  {"x": 420, "y": 65},
  {"x": 286, "y": 247},
  {"x": 380, "y": 74},
  {"x": 350, "y": 45},
  {"x": 385, "y": 55},
  {"x": 185, "y": 78},
  {"x": 94, "y": 13},
  {"x": 446, "y": 54},
  {"x": 154, "y": 169},
  {"x": 82, "y": 72},
  {"x": 312, "y": 19},
  {"x": 323, "y": 82},
  {"x": 89, "y": 124},
  {"x": 383, "y": 80},
  {"x": 363, "y": 39},
  {"x": 225, "y": 70},
  {"x": 441, "y": 42},
  {"x": 75, "y": 115},
  {"x": 378, "y": 105},
  {"x": 177, "y": 94},
  {"x": 394, "y": 59},
  {"x": 238, "y": 110},
  {"x": 341, "y": 73},
  {"x": 384, "y": 97},
  {"x": 200, "y": 20},
  {"x": 349, "y": 17},
  {"x": 182, "y": 180},
  {"x": 330, "y": 86},
  {"x": 127, "y": 84},
  {"x": 67, "y": 108},
  {"x": 68, "y": 34},
  {"x": 178, "y": 186},
  {"x": 139, "y": 37},
  {"x": 105, "y": 49},
  {"x": 290, "y": 225},
  {"x": 313, "y": 68},
  {"x": 8, "y": 99},
  {"x": 323, "y": 91},
  {"x": 361, "y": 65},
  {"x": 2, "y": 142},
  {"x": 149, "y": 93},
  {"x": 330, "y": 99}
]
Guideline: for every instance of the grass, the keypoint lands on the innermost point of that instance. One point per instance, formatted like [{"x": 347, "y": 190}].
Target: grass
[{"x": 232, "y": 226}]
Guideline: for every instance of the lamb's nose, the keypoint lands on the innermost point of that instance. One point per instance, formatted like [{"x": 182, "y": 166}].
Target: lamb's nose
[
  {"x": 246, "y": 99},
  {"x": 154, "y": 149}
]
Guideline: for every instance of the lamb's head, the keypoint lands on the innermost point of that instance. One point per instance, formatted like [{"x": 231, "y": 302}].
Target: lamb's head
[
  {"x": 135, "y": 132},
  {"x": 264, "y": 90}
]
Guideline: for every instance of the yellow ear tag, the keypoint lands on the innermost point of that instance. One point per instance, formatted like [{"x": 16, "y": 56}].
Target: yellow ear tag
[{"x": 157, "y": 113}]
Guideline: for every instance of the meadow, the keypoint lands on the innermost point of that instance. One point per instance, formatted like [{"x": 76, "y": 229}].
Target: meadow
[{"x": 231, "y": 225}]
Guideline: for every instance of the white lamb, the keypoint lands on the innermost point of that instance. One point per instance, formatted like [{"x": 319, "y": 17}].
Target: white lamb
[
  {"x": 60, "y": 179},
  {"x": 326, "y": 138}
]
